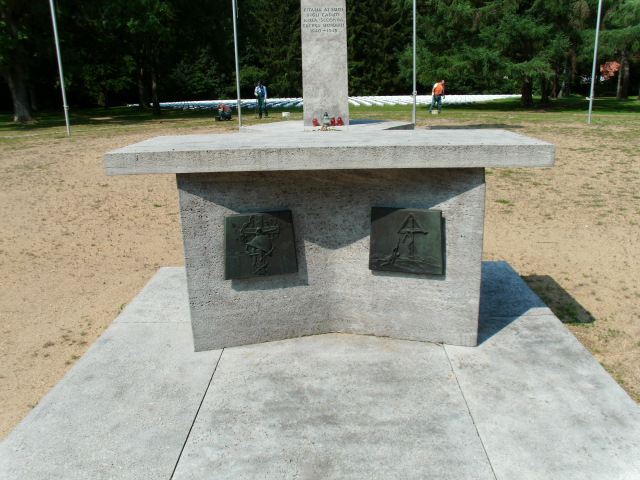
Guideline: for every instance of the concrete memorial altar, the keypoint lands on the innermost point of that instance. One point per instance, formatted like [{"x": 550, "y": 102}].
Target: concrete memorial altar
[{"x": 331, "y": 186}]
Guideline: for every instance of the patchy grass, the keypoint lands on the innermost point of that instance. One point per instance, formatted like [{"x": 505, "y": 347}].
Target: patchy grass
[{"x": 495, "y": 114}]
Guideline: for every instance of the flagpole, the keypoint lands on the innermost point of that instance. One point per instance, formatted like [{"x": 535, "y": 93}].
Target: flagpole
[
  {"x": 64, "y": 95},
  {"x": 235, "y": 44},
  {"x": 415, "y": 90},
  {"x": 595, "y": 60}
]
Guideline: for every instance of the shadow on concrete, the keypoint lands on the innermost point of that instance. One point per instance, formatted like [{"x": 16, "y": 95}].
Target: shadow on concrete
[
  {"x": 473, "y": 127},
  {"x": 335, "y": 224},
  {"x": 364, "y": 121},
  {"x": 504, "y": 297},
  {"x": 561, "y": 303}
]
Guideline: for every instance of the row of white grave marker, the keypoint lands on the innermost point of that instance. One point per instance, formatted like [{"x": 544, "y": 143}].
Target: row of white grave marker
[{"x": 356, "y": 101}]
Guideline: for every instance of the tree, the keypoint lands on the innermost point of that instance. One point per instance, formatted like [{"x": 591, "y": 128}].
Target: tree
[
  {"x": 199, "y": 62},
  {"x": 450, "y": 48},
  {"x": 198, "y": 75},
  {"x": 376, "y": 35},
  {"x": 274, "y": 56},
  {"x": 498, "y": 45},
  {"x": 21, "y": 23},
  {"x": 125, "y": 35},
  {"x": 525, "y": 40},
  {"x": 150, "y": 29},
  {"x": 620, "y": 38},
  {"x": 98, "y": 66}
]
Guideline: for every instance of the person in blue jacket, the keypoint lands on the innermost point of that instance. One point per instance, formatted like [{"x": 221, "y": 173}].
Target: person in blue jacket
[{"x": 261, "y": 96}]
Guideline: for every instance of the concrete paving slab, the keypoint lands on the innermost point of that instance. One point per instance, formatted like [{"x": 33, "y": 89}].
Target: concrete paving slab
[
  {"x": 123, "y": 411},
  {"x": 543, "y": 406},
  {"x": 163, "y": 299},
  {"x": 334, "y": 407},
  {"x": 504, "y": 299},
  {"x": 528, "y": 403}
]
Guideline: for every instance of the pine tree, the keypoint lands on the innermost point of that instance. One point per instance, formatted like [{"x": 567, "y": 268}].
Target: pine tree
[
  {"x": 278, "y": 50},
  {"x": 620, "y": 38},
  {"x": 376, "y": 35}
]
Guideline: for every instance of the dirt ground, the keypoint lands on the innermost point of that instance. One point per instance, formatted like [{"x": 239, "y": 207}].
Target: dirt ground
[{"x": 76, "y": 246}]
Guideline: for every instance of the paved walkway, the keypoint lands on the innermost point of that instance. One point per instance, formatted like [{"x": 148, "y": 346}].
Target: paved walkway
[
  {"x": 528, "y": 403},
  {"x": 359, "y": 125}
]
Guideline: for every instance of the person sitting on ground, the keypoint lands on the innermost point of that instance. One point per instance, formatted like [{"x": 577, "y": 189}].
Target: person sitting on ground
[
  {"x": 437, "y": 95},
  {"x": 224, "y": 112}
]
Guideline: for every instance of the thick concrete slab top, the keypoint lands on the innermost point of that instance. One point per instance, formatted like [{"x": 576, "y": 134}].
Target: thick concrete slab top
[{"x": 329, "y": 151}]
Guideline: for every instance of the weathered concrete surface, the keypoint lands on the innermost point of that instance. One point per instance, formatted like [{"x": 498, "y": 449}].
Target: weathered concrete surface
[
  {"x": 162, "y": 299},
  {"x": 325, "y": 74},
  {"x": 235, "y": 152},
  {"x": 505, "y": 298},
  {"x": 125, "y": 409},
  {"x": 541, "y": 405},
  {"x": 297, "y": 126},
  {"x": 333, "y": 290},
  {"x": 334, "y": 407}
]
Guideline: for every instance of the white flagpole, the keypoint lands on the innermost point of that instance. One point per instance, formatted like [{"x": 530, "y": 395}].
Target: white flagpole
[
  {"x": 235, "y": 43},
  {"x": 595, "y": 60},
  {"x": 64, "y": 95},
  {"x": 415, "y": 90}
]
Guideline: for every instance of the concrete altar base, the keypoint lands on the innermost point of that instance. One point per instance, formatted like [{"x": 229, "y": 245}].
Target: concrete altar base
[
  {"x": 330, "y": 181},
  {"x": 333, "y": 290}
]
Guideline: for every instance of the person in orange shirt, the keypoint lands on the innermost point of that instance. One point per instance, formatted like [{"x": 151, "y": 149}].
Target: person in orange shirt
[{"x": 437, "y": 94}]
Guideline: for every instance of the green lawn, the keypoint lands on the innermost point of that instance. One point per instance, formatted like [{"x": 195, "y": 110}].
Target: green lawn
[{"x": 82, "y": 120}]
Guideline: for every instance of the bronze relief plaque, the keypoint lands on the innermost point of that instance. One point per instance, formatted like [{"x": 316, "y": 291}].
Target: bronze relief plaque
[
  {"x": 259, "y": 244},
  {"x": 406, "y": 240}
]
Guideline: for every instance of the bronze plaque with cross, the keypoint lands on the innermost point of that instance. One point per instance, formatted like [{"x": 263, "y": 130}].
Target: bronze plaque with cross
[
  {"x": 259, "y": 244},
  {"x": 406, "y": 240}
]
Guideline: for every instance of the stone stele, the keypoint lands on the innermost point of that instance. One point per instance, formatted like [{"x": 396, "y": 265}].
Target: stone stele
[{"x": 324, "y": 60}]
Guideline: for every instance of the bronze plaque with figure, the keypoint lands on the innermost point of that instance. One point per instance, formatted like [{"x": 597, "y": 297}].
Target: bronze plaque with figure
[
  {"x": 406, "y": 240},
  {"x": 259, "y": 244}
]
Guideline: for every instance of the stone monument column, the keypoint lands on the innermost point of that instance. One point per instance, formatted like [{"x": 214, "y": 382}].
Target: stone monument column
[{"x": 324, "y": 60}]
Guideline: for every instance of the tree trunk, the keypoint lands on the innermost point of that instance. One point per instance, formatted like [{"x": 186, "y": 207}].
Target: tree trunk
[
  {"x": 154, "y": 92},
  {"x": 619, "y": 86},
  {"x": 544, "y": 87},
  {"x": 569, "y": 67},
  {"x": 556, "y": 82},
  {"x": 19, "y": 93},
  {"x": 143, "y": 95},
  {"x": 573, "y": 67},
  {"x": 565, "y": 88},
  {"x": 526, "y": 99},
  {"x": 33, "y": 99},
  {"x": 625, "y": 69}
]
